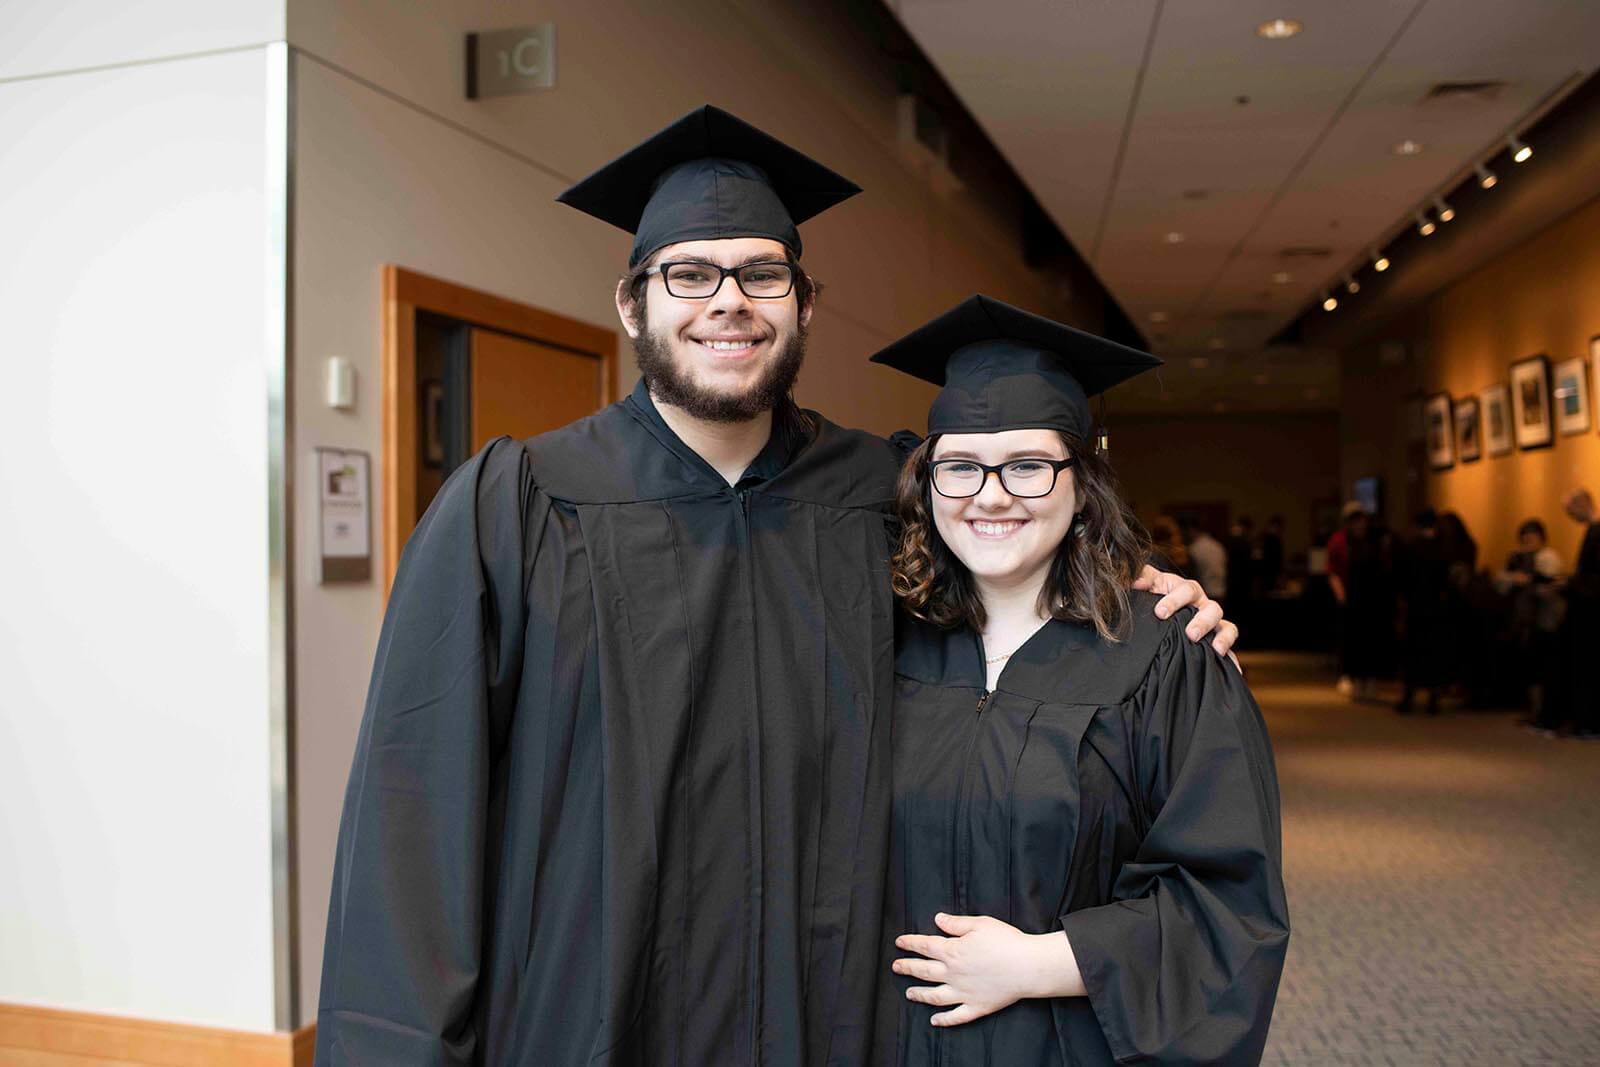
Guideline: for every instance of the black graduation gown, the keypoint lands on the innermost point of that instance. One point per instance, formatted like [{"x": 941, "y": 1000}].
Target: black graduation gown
[
  {"x": 621, "y": 791},
  {"x": 1125, "y": 793}
]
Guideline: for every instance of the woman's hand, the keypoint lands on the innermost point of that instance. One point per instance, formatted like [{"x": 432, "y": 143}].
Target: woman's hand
[
  {"x": 985, "y": 965},
  {"x": 1177, "y": 592}
]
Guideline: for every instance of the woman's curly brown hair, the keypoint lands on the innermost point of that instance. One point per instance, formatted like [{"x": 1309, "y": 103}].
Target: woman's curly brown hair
[{"x": 1088, "y": 582}]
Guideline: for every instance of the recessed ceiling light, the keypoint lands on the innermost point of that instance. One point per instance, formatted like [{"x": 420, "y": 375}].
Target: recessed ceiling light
[
  {"x": 1282, "y": 277},
  {"x": 1408, "y": 147},
  {"x": 1174, "y": 237},
  {"x": 1279, "y": 29},
  {"x": 1158, "y": 316}
]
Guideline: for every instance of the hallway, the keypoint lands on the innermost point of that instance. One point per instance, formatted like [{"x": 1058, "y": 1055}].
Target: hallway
[{"x": 1444, "y": 882}]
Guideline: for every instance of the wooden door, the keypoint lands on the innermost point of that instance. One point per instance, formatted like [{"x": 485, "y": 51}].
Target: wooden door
[
  {"x": 522, "y": 388},
  {"x": 503, "y": 367}
]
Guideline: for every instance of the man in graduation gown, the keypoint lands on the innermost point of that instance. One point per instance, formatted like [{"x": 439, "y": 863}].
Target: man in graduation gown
[{"x": 620, "y": 794}]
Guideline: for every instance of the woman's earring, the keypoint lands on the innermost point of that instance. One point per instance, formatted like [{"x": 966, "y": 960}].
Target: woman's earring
[{"x": 1078, "y": 525}]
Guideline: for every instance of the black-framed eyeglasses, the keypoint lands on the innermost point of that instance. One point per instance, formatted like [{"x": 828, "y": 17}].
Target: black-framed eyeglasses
[
  {"x": 693, "y": 280},
  {"x": 1026, "y": 478}
]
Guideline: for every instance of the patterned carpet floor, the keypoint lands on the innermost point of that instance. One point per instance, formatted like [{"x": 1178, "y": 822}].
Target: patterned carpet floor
[{"x": 1444, "y": 882}]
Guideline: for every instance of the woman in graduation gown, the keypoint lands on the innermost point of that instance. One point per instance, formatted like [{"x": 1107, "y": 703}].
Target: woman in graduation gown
[{"x": 1086, "y": 861}]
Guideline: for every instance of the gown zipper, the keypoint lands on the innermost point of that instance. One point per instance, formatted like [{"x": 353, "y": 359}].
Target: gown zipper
[
  {"x": 964, "y": 805},
  {"x": 963, "y": 835},
  {"x": 757, "y": 831}
]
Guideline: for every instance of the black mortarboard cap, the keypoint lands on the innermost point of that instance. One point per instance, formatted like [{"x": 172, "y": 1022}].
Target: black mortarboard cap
[
  {"x": 1003, "y": 368},
  {"x": 707, "y": 176}
]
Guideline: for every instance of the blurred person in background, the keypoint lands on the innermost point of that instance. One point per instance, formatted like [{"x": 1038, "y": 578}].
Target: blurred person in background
[
  {"x": 1207, "y": 557},
  {"x": 1358, "y": 579},
  {"x": 1338, "y": 575},
  {"x": 1168, "y": 547},
  {"x": 1271, "y": 554},
  {"x": 1531, "y": 580},
  {"x": 1470, "y": 667},
  {"x": 1242, "y": 568},
  {"x": 1572, "y": 694},
  {"x": 1425, "y": 629}
]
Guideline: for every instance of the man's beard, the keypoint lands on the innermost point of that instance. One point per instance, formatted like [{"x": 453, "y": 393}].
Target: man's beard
[{"x": 669, "y": 384}]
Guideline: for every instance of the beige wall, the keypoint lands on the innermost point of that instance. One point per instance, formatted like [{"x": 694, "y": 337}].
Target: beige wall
[
  {"x": 1261, "y": 464},
  {"x": 395, "y": 166},
  {"x": 1541, "y": 297}
]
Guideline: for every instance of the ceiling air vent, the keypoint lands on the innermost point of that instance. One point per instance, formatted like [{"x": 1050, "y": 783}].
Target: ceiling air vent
[
  {"x": 1244, "y": 315},
  {"x": 1451, "y": 93},
  {"x": 1305, "y": 252}
]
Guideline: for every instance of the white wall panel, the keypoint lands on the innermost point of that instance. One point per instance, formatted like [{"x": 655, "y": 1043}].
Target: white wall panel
[
  {"x": 134, "y": 792},
  {"x": 39, "y": 36}
]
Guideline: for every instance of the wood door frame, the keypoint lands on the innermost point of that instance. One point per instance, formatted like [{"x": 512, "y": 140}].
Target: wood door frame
[{"x": 405, "y": 293}]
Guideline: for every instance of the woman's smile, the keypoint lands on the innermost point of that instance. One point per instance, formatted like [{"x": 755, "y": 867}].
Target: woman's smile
[{"x": 995, "y": 529}]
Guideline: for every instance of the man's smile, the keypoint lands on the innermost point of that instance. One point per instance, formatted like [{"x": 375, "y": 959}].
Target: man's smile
[{"x": 728, "y": 347}]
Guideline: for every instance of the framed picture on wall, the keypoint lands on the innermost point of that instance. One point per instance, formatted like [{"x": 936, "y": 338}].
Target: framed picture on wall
[
  {"x": 1495, "y": 405},
  {"x": 1594, "y": 364},
  {"x": 1469, "y": 434},
  {"x": 1531, "y": 420},
  {"x": 1569, "y": 395},
  {"x": 1436, "y": 420}
]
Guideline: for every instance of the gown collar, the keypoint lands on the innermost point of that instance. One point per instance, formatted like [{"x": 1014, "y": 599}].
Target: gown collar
[
  {"x": 953, "y": 657},
  {"x": 789, "y": 435}
]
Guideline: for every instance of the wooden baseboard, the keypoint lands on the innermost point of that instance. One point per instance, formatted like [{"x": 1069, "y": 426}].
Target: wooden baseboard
[{"x": 48, "y": 1037}]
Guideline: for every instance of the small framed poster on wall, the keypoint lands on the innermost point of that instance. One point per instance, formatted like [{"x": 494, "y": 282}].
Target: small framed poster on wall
[
  {"x": 1495, "y": 403},
  {"x": 1437, "y": 425},
  {"x": 1530, "y": 402},
  {"x": 1569, "y": 395},
  {"x": 1594, "y": 364},
  {"x": 1469, "y": 434}
]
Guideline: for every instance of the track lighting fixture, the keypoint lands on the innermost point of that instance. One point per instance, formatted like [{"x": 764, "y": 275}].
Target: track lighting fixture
[
  {"x": 1425, "y": 225},
  {"x": 1329, "y": 301},
  {"x": 1486, "y": 177},
  {"x": 1380, "y": 262},
  {"x": 1443, "y": 210},
  {"x": 1520, "y": 153}
]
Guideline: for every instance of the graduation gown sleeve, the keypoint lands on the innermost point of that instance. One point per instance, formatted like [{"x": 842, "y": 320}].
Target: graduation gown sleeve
[
  {"x": 406, "y": 919},
  {"x": 1182, "y": 966}
]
